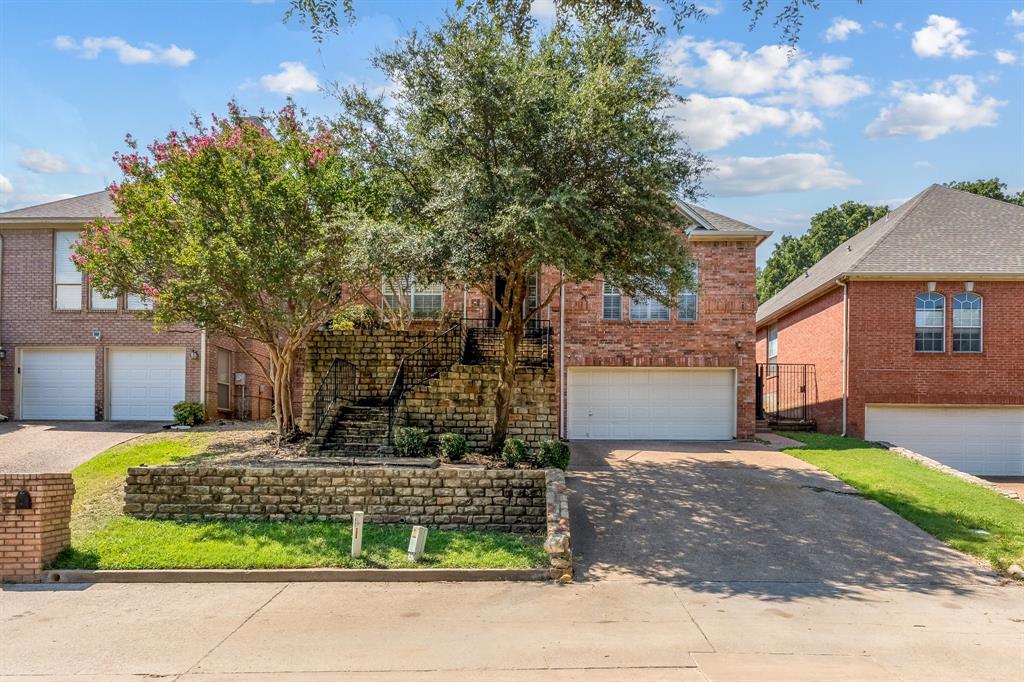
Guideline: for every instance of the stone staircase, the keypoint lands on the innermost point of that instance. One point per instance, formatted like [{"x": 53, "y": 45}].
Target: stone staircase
[
  {"x": 355, "y": 430},
  {"x": 487, "y": 347}
]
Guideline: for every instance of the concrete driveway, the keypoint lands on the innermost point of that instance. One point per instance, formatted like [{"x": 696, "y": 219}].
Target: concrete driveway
[
  {"x": 54, "y": 447},
  {"x": 726, "y": 513}
]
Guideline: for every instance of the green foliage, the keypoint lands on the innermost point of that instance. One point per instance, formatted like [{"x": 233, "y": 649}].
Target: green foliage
[
  {"x": 553, "y": 453},
  {"x": 793, "y": 256},
  {"x": 514, "y": 451},
  {"x": 357, "y": 317},
  {"x": 993, "y": 188},
  {"x": 411, "y": 441},
  {"x": 189, "y": 413},
  {"x": 453, "y": 446}
]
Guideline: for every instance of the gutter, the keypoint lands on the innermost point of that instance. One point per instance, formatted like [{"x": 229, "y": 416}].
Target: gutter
[
  {"x": 202, "y": 367},
  {"x": 563, "y": 393},
  {"x": 846, "y": 346}
]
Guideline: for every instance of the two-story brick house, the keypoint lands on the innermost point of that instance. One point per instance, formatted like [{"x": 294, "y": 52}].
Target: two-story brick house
[
  {"x": 69, "y": 353},
  {"x": 914, "y": 329}
]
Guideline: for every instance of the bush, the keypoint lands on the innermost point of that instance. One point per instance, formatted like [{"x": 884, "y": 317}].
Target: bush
[
  {"x": 189, "y": 413},
  {"x": 514, "y": 451},
  {"x": 357, "y": 317},
  {"x": 453, "y": 446},
  {"x": 411, "y": 441},
  {"x": 553, "y": 453}
]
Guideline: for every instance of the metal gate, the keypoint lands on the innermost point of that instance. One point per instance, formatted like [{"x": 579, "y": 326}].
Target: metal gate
[{"x": 786, "y": 394}]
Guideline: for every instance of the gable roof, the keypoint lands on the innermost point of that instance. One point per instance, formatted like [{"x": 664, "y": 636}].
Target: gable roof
[
  {"x": 75, "y": 209},
  {"x": 718, "y": 225},
  {"x": 939, "y": 232}
]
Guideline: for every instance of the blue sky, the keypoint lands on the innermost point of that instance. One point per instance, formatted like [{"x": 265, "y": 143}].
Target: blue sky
[{"x": 882, "y": 98}]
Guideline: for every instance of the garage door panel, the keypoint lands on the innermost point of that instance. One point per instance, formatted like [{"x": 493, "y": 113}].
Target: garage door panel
[
  {"x": 661, "y": 404},
  {"x": 58, "y": 383},
  {"x": 978, "y": 440},
  {"x": 146, "y": 383}
]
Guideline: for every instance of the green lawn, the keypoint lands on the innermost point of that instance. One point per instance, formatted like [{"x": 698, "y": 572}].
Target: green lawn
[
  {"x": 103, "y": 537},
  {"x": 943, "y": 505}
]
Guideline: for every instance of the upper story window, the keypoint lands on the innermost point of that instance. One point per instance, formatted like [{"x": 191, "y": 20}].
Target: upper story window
[
  {"x": 930, "y": 323},
  {"x": 773, "y": 344},
  {"x": 612, "y": 302},
  {"x": 98, "y": 301},
  {"x": 423, "y": 300},
  {"x": 138, "y": 302},
  {"x": 67, "y": 280},
  {"x": 967, "y": 323},
  {"x": 686, "y": 305},
  {"x": 646, "y": 308}
]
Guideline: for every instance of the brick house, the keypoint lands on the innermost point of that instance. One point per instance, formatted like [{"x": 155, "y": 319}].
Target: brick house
[
  {"x": 69, "y": 353},
  {"x": 914, "y": 329},
  {"x": 620, "y": 369}
]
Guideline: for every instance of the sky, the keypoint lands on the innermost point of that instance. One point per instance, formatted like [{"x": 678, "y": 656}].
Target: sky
[{"x": 880, "y": 100}]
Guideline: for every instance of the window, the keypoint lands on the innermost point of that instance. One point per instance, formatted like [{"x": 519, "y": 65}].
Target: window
[
  {"x": 646, "y": 308},
  {"x": 773, "y": 344},
  {"x": 686, "y": 305},
  {"x": 98, "y": 301},
  {"x": 67, "y": 280},
  {"x": 612, "y": 308},
  {"x": 138, "y": 302},
  {"x": 967, "y": 323},
  {"x": 423, "y": 300},
  {"x": 223, "y": 379},
  {"x": 930, "y": 323}
]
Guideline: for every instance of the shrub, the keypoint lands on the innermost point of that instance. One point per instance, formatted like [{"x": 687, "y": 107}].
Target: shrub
[
  {"x": 553, "y": 453},
  {"x": 411, "y": 441},
  {"x": 356, "y": 317},
  {"x": 453, "y": 446},
  {"x": 514, "y": 451},
  {"x": 189, "y": 413}
]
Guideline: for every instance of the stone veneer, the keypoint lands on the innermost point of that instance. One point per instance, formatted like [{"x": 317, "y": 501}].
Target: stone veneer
[
  {"x": 511, "y": 500},
  {"x": 31, "y": 538}
]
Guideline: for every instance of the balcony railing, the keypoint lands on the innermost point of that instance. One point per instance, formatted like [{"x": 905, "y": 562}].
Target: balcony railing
[{"x": 485, "y": 343}]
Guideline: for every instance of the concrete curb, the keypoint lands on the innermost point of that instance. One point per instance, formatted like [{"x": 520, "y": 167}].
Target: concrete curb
[{"x": 296, "y": 575}]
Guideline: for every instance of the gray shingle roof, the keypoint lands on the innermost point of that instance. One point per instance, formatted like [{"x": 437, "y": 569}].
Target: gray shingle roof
[
  {"x": 941, "y": 231},
  {"x": 81, "y": 208},
  {"x": 709, "y": 220}
]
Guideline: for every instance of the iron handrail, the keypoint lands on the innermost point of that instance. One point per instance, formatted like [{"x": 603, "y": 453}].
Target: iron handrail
[
  {"x": 338, "y": 384},
  {"x": 420, "y": 366}
]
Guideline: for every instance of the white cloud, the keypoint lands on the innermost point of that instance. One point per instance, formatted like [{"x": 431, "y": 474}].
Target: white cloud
[
  {"x": 1016, "y": 17},
  {"x": 923, "y": 164},
  {"x": 942, "y": 36},
  {"x": 746, "y": 175},
  {"x": 771, "y": 71},
  {"x": 714, "y": 122},
  {"x": 149, "y": 53},
  {"x": 1005, "y": 57},
  {"x": 841, "y": 29},
  {"x": 42, "y": 161},
  {"x": 712, "y": 9},
  {"x": 5, "y": 185},
  {"x": 293, "y": 77},
  {"x": 543, "y": 9},
  {"x": 952, "y": 104}
]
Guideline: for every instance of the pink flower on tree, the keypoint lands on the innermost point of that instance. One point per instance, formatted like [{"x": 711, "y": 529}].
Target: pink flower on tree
[
  {"x": 317, "y": 156},
  {"x": 149, "y": 291}
]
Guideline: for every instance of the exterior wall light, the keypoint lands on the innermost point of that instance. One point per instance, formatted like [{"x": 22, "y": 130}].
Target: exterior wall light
[{"x": 193, "y": 354}]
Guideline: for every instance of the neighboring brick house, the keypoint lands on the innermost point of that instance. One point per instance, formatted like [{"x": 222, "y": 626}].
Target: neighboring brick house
[
  {"x": 930, "y": 356},
  {"x": 68, "y": 353}
]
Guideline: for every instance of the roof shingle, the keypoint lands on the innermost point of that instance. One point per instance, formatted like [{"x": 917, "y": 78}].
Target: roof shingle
[{"x": 85, "y": 207}]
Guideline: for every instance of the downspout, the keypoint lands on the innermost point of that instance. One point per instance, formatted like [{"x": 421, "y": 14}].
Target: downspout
[
  {"x": 202, "y": 367},
  {"x": 465, "y": 300},
  {"x": 563, "y": 394},
  {"x": 846, "y": 345}
]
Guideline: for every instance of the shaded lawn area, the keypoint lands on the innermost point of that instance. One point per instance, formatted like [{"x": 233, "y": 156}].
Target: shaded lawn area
[
  {"x": 945, "y": 506},
  {"x": 102, "y": 537}
]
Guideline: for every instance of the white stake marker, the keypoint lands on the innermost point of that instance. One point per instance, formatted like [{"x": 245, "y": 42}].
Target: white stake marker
[
  {"x": 416, "y": 543},
  {"x": 357, "y": 534}
]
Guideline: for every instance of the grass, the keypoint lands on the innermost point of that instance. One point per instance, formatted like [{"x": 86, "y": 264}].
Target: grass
[
  {"x": 102, "y": 537},
  {"x": 945, "y": 506}
]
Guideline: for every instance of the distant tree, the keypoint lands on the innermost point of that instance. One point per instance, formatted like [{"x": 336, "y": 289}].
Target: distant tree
[
  {"x": 793, "y": 256},
  {"x": 242, "y": 228},
  {"x": 993, "y": 188}
]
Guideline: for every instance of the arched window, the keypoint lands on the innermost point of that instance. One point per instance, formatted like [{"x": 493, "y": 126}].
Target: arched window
[
  {"x": 930, "y": 323},
  {"x": 967, "y": 323}
]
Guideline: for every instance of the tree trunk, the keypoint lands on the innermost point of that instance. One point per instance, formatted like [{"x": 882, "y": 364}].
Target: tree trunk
[
  {"x": 281, "y": 371},
  {"x": 511, "y": 329}
]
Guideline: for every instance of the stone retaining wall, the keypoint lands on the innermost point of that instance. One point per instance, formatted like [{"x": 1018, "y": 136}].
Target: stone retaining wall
[
  {"x": 446, "y": 498},
  {"x": 558, "y": 543},
  {"x": 31, "y": 538}
]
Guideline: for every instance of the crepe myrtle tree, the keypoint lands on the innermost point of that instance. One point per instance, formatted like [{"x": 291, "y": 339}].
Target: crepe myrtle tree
[
  {"x": 515, "y": 153},
  {"x": 241, "y": 227}
]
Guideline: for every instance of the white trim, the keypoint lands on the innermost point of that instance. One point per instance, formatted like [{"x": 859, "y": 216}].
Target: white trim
[
  {"x": 981, "y": 324},
  {"x": 846, "y": 350},
  {"x": 202, "y": 367}
]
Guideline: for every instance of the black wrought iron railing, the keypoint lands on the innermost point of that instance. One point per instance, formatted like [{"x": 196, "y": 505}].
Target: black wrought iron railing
[
  {"x": 338, "y": 386},
  {"x": 420, "y": 366},
  {"x": 786, "y": 392},
  {"x": 485, "y": 343}
]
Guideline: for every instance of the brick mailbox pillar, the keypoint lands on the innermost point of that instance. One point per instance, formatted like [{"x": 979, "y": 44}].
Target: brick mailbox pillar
[{"x": 35, "y": 512}]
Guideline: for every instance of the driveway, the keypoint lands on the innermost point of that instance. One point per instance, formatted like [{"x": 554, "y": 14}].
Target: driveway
[
  {"x": 55, "y": 447},
  {"x": 726, "y": 513}
]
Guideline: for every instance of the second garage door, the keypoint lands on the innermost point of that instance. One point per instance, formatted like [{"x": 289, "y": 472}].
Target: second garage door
[
  {"x": 978, "y": 440},
  {"x": 652, "y": 404},
  {"x": 145, "y": 383}
]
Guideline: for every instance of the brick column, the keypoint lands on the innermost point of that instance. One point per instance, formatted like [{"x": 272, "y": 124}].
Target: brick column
[{"x": 31, "y": 538}]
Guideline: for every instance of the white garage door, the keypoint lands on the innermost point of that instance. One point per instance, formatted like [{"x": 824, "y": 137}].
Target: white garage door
[
  {"x": 652, "y": 404},
  {"x": 145, "y": 384},
  {"x": 58, "y": 384},
  {"x": 978, "y": 440}
]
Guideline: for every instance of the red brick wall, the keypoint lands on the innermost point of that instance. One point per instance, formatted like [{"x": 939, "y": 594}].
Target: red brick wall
[
  {"x": 885, "y": 369},
  {"x": 257, "y": 387},
  {"x": 31, "y": 538},
  {"x": 814, "y": 335}
]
